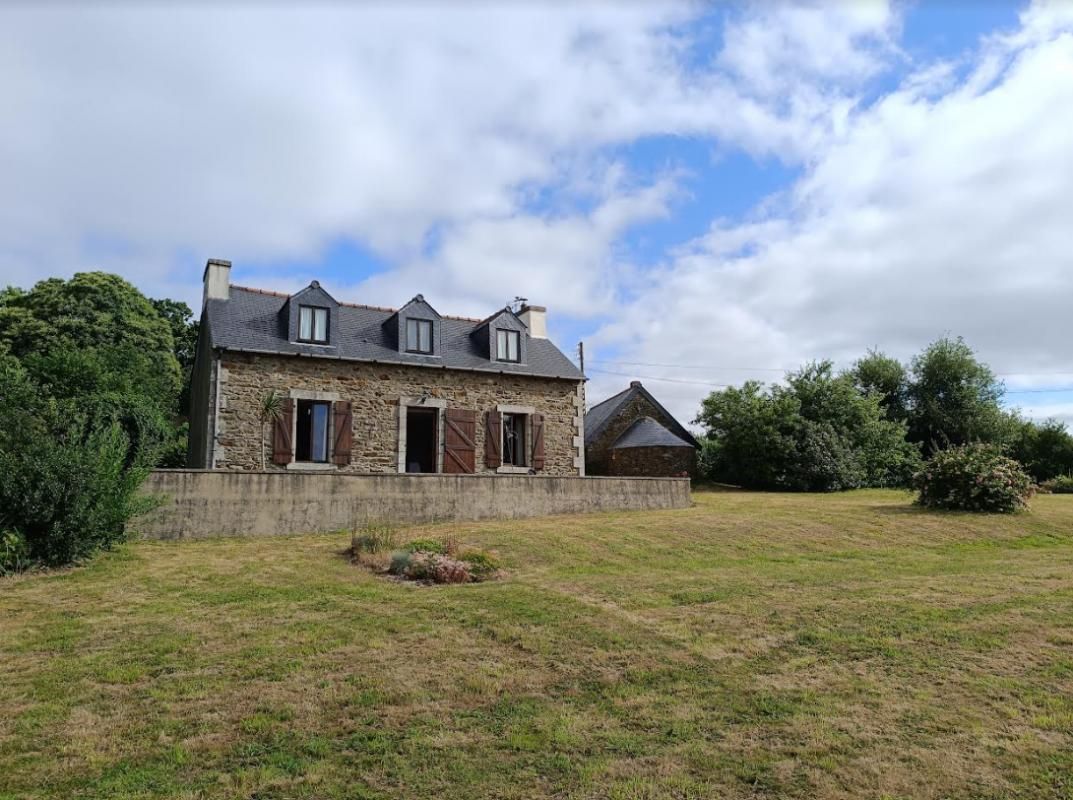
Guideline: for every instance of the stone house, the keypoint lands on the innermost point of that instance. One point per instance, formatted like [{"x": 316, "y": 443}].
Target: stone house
[
  {"x": 365, "y": 389},
  {"x": 631, "y": 434}
]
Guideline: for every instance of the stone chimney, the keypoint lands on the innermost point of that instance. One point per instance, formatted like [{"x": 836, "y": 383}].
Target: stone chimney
[
  {"x": 217, "y": 279},
  {"x": 536, "y": 320}
]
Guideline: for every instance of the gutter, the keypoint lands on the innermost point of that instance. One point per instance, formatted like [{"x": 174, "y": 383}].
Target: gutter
[{"x": 395, "y": 363}]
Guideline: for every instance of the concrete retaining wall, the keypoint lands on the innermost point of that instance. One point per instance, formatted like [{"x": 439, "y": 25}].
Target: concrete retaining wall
[{"x": 199, "y": 503}]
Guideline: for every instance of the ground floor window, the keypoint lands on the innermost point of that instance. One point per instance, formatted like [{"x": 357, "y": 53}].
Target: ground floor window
[
  {"x": 311, "y": 440},
  {"x": 514, "y": 440}
]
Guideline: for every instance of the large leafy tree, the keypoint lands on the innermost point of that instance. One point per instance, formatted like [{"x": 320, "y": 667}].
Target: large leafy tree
[
  {"x": 1045, "y": 448},
  {"x": 817, "y": 433},
  {"x": 954, "y": 399},
  {"x": 105, "y": 319},
  {"x": 888, "y": 379}
]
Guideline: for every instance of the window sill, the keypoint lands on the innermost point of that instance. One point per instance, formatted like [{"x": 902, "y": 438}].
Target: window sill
[
  {"x": 505, "y": 470},
  {"x": 312, "y": 466}
]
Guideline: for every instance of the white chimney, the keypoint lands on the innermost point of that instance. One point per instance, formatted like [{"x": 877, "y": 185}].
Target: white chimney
[
  {"x": 217, "y": 279},
  {"x": 536, "y": 319}
]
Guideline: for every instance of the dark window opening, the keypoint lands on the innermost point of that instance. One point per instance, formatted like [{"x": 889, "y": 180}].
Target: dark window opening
[
  {"x": 418, "y": 336},
  {"x": 421, "y": 439},
  {"x": 507, "y": 346},
  {"x": 311, "y": 443},
  {"x": 312, "y": 324},
  {"x": 514, "y": 440}
]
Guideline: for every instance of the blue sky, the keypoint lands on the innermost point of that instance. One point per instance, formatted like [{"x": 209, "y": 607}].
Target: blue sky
[{"x": 703, "y": 194}]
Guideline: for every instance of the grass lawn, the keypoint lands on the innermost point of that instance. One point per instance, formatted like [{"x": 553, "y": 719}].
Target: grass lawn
[{"x": 755, "y": 645}]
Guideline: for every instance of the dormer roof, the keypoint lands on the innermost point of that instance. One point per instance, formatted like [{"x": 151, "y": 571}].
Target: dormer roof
[{"x": 250, "y": 322}]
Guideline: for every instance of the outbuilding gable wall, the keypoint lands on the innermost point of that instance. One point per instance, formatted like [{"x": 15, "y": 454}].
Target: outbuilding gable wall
[{"x": 597, "y": 452}]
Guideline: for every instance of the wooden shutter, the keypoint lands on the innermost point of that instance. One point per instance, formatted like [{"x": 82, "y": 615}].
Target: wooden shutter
[
  {"x": 341, "y": 442},
  {"x": 459, "y": 450},
  {"x": 538, "y": 442},
  {"x": 493, "y": 433},
  {"x": 282, "y": 446}
]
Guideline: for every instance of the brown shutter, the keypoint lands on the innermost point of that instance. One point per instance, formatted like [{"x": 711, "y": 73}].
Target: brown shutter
[
  {"x": 493, "y": 433},
  {"x": 282, "y": 447},
  {"x": 344, "y": 423},
  {"x": 459, "y": 450},
  {"x": 538, "y": 442}
]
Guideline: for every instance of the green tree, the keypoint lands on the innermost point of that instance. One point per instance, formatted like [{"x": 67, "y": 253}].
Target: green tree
[
  {"x": 817, "y": 433},
  {"x": 1045, "y": 449},
  {"x": 888, "y": 379},
  {"x": 954, "y": 399}
]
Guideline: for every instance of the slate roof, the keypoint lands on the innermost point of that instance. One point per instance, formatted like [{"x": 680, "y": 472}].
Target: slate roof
[
  {"x": 250, "y": 321},
  {"x": 597, "y": 417},
  {"x": 646, "y": 432}
]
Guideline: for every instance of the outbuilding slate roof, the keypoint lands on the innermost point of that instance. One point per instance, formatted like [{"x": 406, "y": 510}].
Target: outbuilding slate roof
[
  {"x": 250, "y": 321},
  {"x": 598, "y": 417},
  {"x": 646, "y": 432}
]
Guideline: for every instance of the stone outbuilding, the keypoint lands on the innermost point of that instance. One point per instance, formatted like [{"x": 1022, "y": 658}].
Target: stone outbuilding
[{"x": 632, "y": 434}]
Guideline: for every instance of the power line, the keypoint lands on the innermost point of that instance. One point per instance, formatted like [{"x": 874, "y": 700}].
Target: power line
[
  {"x": 729, "y": 385},
  {"x": 774, "y": 369}
]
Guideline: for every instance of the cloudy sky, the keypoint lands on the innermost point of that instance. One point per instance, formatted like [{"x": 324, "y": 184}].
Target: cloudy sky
[{"x": 702, "y": 193}]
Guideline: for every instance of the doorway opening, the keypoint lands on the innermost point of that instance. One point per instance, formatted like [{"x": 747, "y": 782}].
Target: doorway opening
[{"x": 421, "y": 439}]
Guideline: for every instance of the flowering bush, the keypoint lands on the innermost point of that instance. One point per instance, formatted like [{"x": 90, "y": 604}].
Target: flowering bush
[
  {"x": 974, "y": 478},
  {"x": 436, "y": 568}
]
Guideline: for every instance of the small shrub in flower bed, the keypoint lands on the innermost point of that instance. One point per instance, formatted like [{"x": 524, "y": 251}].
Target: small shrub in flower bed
[
  {"x": 1063, "y": 484},
  {"x": 482, "y": 566},
  {"x": 442, "y": 567},
  {"x": 427, "y": 546},
  {"x": 371, "y": 545},
  {"x": 974, "y": 478}
]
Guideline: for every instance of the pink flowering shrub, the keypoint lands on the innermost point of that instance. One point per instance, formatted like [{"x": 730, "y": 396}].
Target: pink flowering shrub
[
  {"x": 974, "y": 478},
  {"x": 435, "y": 567}
]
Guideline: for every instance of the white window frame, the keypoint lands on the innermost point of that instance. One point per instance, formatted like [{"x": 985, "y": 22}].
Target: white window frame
[
  {"x": 508, "y": 336},
  {"x": 422, "y": 402},
  {"x": 528, "y": 412},
  {"x": 313, "y": 466},
  {"x": 418, "y": 325},
  {"x": 314, "y": 313}
]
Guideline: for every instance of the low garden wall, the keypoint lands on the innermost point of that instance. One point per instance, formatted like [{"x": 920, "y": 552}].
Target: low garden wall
[{"x": 198, "y": 503}]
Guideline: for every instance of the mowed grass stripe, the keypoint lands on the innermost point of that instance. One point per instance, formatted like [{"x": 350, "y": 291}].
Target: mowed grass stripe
[{"x": 753, "y": 645}]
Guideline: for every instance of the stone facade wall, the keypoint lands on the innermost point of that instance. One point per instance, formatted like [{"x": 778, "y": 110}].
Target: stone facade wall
[
  {"x": 375, "y": 391},
  {"x": 598, "y": 453},
  {"x": 653, "y": 461},
  {"x": 200, "y": 503}
]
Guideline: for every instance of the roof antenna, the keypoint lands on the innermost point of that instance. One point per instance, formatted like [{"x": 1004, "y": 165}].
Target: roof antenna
[{"x": 516, "y": 304}]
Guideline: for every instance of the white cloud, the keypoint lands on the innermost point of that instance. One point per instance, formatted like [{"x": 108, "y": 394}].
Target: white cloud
[
  {"x": 930, "y": 214},
  {"x": 172, "y": 132}
]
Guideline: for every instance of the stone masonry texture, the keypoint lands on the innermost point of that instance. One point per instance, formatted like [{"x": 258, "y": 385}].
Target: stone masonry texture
[
  {"x": 375, "y": 391},
  {"x": 598, "y": 453}
]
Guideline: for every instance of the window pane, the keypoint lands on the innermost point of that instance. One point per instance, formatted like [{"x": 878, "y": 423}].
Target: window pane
[
  {"x": 514, "y": 440},
  {"x": 305, "y": 323},
  {"x": 320, "y": 324},
  {"x": 501, "y": 345},
  {"x": 411, "y": 334},
  {"x": 426, "y": 337},
  {"x": 512, "y": 346},
  {"x": 320, "y": 432}
]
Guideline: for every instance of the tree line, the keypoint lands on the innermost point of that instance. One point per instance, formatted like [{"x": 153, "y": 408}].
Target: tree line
[
  {"x": 92, "y": 396},
  {"x": 873, "y": 425}
]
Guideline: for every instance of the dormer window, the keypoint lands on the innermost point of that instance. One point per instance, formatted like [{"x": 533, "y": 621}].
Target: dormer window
[
  {"x": 507, "y": 345},
  {"x": 418, "y": 336},
  {"x": 312, "y": 324}
]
